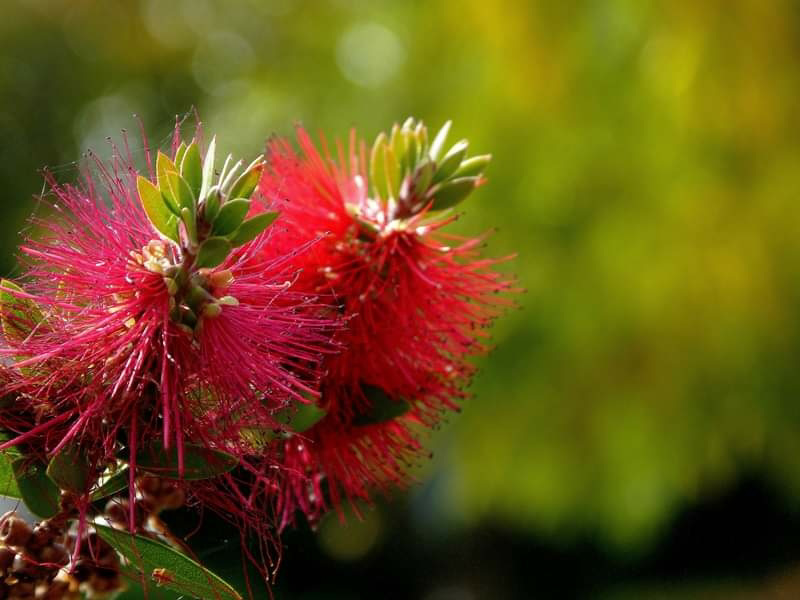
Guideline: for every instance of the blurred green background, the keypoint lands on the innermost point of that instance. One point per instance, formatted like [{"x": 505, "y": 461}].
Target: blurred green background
[{"x": 636, "y": 433}]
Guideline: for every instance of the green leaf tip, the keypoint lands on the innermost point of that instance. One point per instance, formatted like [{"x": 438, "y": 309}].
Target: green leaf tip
[
  {"x": 156, "y": 209},
  {"x": 252, "y": 228}
]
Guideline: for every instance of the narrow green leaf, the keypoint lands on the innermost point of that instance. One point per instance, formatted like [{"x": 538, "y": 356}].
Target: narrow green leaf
[
  {"x": 411, "y": 156},
  {"x": 115, "y": 483},
  {"x": 247, "y": 182},
  {"x": 37, "y": 490},
  {"x": 199, "y": 462},
  {"x": 213, "y": 252},
  {"x": 230, "y": 216},
  {"x": 192, "y": 168},
  {"x": 167, "y": 567},
  {"x": 422, "y": 178},
  {"x": 450, "y": 162},
  {"x": 377, "y": 167},
  {"x": 398, "y": 144},
  {"x": 438, "y": 142},
  {"x": 190, "y": 220},
  {"x": 179, "y": 153},
  {"x": 211, "y": 205},
  {"x": 391, "y": 172},
  {"x": 450, "y": 193},
  {"x": 473, "y": 166},
  {"x": 251, "y": 228},
  {"x": 208, "y": 169},
  {"x": 156, "y": 208},
  {"x": 382, "y": 407},
  {"x": 181, "y": 192},
  {"x": 421, "y": 133},
  {"x": 69, "y": 470},
  {"x": 18, "y": 316},
  {"x": 227, "y": 180},
  {"x": 8, "y": 482},
  {"x": 165, "y": 165}
]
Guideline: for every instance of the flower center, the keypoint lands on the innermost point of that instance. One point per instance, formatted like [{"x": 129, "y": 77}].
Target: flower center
[{"x": 195, "y": 294}]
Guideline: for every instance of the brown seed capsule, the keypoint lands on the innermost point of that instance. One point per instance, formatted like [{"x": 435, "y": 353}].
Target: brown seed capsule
[
  {"x": 14, "y": 531},
  {"x": 6, "y": 559},
  {"x": 43, "y": 535},
  {"x": 117, "y": 512},
  {"x": 83, "y": 570},
  {"x": 104, "y": 581},
  {"x": 24, "y": 569},
  {"x": 147, "y": 484},
  {"x": 23, "y": 590},
  {"x": 56, "y": 590},
  {"x": 54, "y": 554},
  {"x": 172, "y": 500}
]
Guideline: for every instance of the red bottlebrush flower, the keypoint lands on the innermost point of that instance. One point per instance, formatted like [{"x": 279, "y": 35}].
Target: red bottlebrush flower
[
  {"x": 150, "y": 319},
  {"x": 419, "y": 299}
]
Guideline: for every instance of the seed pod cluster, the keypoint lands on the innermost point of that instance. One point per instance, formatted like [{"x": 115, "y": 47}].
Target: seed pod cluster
[{"x": 35, "y": 562}]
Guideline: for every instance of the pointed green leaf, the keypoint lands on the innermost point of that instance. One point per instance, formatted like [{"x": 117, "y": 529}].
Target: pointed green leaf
[
  {"x": 450, "y": 162},
  {"x": 163, "y": 166},
  {"x": 37, "y": 490},
  {"x": 18, "y": 316},
  {"x": 251, "y": 228},
  {"x": 225, "y": 183},
  {"x": 231, "y": 216},
  {"x": 156, "y": 208},
  {"x": 224, "y": 172},
  {"x": 190, "y": 221},
  {"x": 422, "y": 179},
  {"x": 247, "y": 182},
  {"x": 391, "y": 172},
  {"x": 168, "y": 567},
  {"x": 211, "y": 205},
  {"x": 180, "y": 190},
  {"x": 450, "y": 193},
  {"x": 377, "y": 167},
  {"x": 192, "y": 168},
  {"x": 212, "y": 252},
  {"x": 179, "y": 153},
  {"x": 199, "y": 462},
  {"x": 113, "y": 484},
  {"x": 473, "y": 166},
  {"x": 208, "y": 169},
  {"x": 382, "y": 407},
  {"x": 411, "y": 156},
  {"x": 69, "y": 470},
  {"x": 421, "y": 133},
  {"x": 398, "y": 144},
  {"x": 437, "y": 146}
]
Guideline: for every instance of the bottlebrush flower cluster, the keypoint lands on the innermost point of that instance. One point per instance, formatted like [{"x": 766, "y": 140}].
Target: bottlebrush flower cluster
[{"x": 166, "y": 329}]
